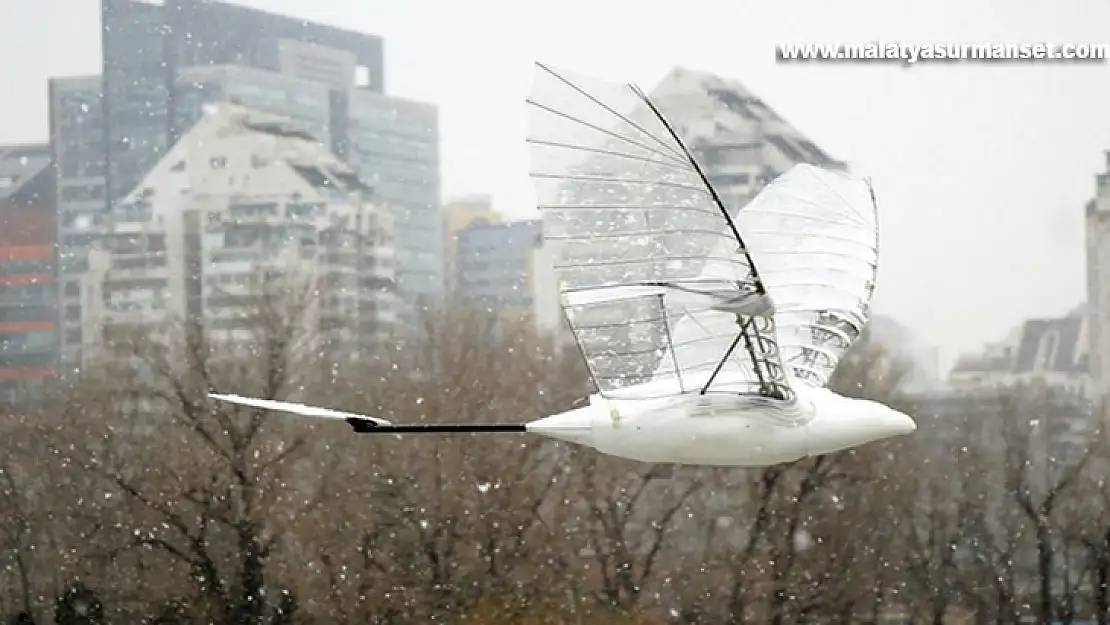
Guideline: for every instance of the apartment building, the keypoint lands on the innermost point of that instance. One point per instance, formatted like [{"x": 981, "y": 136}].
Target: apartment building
[
  {"x": 245, "y": 206},
  {"x": 458, "y": 214},
  {"x": 503, "y": 266},
  {"x": 28, "y": 288},
  {"x": 77, "y": 139},
  {"x": 391, "y": 143},
  {"x": 163, "y": 62}
]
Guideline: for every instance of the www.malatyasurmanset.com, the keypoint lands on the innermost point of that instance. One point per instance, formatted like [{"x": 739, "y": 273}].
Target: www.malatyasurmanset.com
[{"x": 910, "y": 53}]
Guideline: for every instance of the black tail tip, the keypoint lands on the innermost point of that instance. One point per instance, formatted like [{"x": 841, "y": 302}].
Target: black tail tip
[{"x": 361, "y": 426}]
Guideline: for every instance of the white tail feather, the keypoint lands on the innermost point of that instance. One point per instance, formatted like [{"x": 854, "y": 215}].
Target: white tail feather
[{"x": 297, "y": 409}]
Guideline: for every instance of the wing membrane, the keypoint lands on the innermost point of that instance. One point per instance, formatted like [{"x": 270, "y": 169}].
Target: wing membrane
[
  {"x": 815, "y": 234},
  {"x": 625, "y": 209}
]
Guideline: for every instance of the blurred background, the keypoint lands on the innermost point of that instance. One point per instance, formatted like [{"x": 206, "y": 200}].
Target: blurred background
[{"x": 330, "y": 200}]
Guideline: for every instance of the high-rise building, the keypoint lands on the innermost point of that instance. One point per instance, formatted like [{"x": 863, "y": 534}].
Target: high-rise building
[
  {"x": 1098, "y": 281},
  {"x": 493, "y": 260},
  {"x": 459, "y": 213},
  {"x": 164, "y": 62},
  {"x": 28, "y": 289},
  {"x": 739, "y": 140},
  {"x": 77, "y": 144},
  {"x": 243, "y": 199},
  {"x": 145, "y": 45},
  {"x": 306, "y": 101},
  {"x": 393, "y": 143},
  {"x": 506, "y": 268}
]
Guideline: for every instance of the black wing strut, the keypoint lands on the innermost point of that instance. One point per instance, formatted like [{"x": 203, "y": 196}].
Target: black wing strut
[{"x": 766, "y": 387}]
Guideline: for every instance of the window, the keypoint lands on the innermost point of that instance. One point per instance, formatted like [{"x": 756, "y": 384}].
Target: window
[
  {"x": 32, "y": 360},
  {"x": 25, "y": 313},
  {"x": 82, "y": 193},
  {"x": 22, "y": 342},
  {"x": 29, "y": 293},
  {"x": 727, "y": 180},
  {"x": 26, "y": 267},
  {"x": 1046, "y": 351},
  {"x": 304, "y": 210},
  {"x": 218, "y": 162},
  {"x": 253, "y": 210}
]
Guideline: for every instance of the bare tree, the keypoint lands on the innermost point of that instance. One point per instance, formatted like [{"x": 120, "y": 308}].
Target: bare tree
[
  {"x": 40, "y": 519},
  {"x": 1090, "y": 508},
  {"x": 17, "y": 523},
  {"x": 1039, "y": 479},
  {"x": 934, "y": 535},
  {"x": 623, "y": 518},
  {"x": 204, "y": 490}
]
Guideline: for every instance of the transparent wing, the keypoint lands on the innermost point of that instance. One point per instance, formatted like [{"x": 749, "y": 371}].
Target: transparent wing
[
  {"x": 658, "y": 289},
  {"x": 815, "y": 235}
]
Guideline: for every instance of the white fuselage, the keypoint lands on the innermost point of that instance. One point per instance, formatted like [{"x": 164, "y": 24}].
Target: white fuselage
[{"x": 725, "y": 429}]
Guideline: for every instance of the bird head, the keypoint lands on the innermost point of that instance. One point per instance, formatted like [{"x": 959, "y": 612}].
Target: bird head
[{"x": 842, "y": 423}]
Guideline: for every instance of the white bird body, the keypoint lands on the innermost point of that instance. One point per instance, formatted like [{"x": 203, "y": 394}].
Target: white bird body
[
  {"x": 724, "y": 430},
  {"x": 710, "y": 332}
]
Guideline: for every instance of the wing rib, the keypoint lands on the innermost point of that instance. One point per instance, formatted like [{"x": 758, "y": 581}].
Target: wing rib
[
  {"x": 631, "y": 216},
  {"x": 609, "y": 109},
  {"x": 709, "y": 187}
]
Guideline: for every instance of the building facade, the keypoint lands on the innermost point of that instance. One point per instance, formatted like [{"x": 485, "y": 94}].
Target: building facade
[
  {"x": 246, "y": 206},
  {"x": 1098, "y": 280},
  {"x": 393, "y": 143},
  {"x": 504, "y": 267},
  {"x": 1049, "y": 352},
  {"x": 145, "y": 45},
  {"x": 739, "y": 140},
  {"x": 307, "y": 102},
  {"x": 28, "y": 271},
  {"x": 458, "y": 214},
  {"x": 164, "y": 62},
  {"x": 77, "y": 146},
  {"x": 493, "y": 263}
]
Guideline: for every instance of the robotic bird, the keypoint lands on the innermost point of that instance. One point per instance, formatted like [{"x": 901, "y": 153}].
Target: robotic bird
[{"x": 710, "y": 333}]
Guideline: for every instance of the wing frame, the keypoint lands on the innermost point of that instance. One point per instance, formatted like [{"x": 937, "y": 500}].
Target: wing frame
[
  {"x": 766, "y": 387},
  {"x": 824, "y": 283},
  {"x": 760, "y": 347}
]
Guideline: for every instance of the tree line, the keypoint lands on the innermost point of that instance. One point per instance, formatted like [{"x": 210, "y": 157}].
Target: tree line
[{"x": 128, "y": 496}]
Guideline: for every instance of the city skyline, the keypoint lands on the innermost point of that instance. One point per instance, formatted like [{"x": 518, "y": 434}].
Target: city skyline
[{"x": 1010, "y": 217}]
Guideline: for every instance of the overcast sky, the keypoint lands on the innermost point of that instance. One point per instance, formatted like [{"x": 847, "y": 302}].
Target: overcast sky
[{"x": 981, "y": 171}]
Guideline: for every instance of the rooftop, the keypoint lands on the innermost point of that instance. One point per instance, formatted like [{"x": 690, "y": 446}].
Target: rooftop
[
  {"x": 1046, "y": 345},
  {"x": 239, "y": 151},
  {"x": 738, "y": 115}
]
